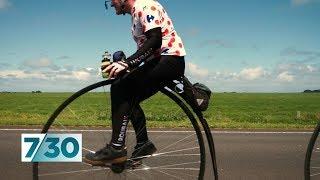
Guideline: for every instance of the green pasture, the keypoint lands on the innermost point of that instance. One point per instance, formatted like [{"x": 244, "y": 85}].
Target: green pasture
[{"x": 227, "y": 110}]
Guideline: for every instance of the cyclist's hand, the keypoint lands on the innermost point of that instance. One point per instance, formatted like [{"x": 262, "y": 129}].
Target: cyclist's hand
[{"x": 116, "y": 68}]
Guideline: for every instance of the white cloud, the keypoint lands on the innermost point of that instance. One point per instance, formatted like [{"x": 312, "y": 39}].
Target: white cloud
[
  {"x": 43, "y": 62},
  {"x": 311, "y": 68},
  {"x": 89, "y": 69},
  {"x": 249, "y": 79},
  {"x": 40, "y": 63},
  {"x": 285, "y": 76},
  {"x": 306, "y": 68},
  {"x": 4, "y": 4},
  {"x": 81, "y": 75},
  {"x": 21, "y": 74},
  {"x": 297, "y": 68},
  {"x": 197, "y": 71},
  {"x": 244, "y": 74},
  {"x": 252, "y": 73},
  {"x": 51, "y": 75}
]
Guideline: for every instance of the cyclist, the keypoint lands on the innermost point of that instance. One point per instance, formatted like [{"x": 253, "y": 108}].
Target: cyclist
[{"x": 159, "y": 59}]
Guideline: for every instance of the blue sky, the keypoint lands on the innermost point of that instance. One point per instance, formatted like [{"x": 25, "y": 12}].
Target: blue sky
[{"x": 243, "y": 45}]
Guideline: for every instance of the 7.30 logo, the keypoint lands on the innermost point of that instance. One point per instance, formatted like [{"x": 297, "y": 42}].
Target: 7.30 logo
[{"x": 51, "y": 147}]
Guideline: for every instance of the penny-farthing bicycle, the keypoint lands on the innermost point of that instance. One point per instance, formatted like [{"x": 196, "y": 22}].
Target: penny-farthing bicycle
[{"x": 180, "y": 155}]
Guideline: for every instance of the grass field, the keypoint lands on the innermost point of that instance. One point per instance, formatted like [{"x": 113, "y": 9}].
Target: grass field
[{"x": 227, "y": 110}]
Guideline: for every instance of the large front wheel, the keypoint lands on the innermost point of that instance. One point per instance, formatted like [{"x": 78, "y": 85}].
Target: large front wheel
[{"x": 180, "y": 155}]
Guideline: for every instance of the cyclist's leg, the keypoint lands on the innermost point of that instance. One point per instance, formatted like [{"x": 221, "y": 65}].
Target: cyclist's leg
[
  {"x": 143, "y": 146},
  {"x": 121, "y": 103},
  {"x": 128, "y": 92},
  {"x": 124, "y": 102},
  {"x": 167, "y": 69},
  {"x": 138, "y": 121}
]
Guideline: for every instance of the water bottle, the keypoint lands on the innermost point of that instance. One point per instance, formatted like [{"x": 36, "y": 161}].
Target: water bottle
[{"x": 106, "y": 57}]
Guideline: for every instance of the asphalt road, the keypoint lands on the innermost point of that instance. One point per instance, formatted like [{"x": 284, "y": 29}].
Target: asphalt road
[{"x": 240, "y": 155}]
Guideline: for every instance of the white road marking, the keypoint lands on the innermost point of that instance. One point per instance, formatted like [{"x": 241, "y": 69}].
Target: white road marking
[{"x": 159, "y": 131}]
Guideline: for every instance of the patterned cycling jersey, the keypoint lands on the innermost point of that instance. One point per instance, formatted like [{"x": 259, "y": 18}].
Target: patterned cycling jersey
[{"x": 149, "y": 14}]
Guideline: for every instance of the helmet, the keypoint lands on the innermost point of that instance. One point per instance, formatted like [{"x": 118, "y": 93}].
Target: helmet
[{"x": 111, "y": 4}]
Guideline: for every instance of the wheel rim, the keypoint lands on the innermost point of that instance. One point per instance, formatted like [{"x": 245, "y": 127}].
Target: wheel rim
[{"x": 312, "y": 161}]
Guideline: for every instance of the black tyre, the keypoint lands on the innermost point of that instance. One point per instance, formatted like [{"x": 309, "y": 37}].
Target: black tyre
[
  {"x": 182, "y": 157},
  {"x": 312, "y": 160}
]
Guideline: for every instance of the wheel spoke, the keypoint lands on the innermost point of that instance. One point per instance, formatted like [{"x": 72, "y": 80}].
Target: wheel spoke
[
  {"x": 170, "y": 165},
  {"x": 184, "y": 173},
  {"x": 170, "y": 145},
  {"x": 160, "y": 154},
  {"x": 175, "y": 177},
  {"x": 315, "y": 174}
]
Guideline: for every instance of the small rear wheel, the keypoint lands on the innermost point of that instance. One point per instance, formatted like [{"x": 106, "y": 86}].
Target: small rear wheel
[{"x": 312, "y": 160}]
